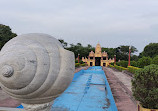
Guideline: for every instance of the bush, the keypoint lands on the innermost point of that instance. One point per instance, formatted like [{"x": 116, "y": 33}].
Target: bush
[
  {"x": 111, "y": 65},
  {"x": 134, "y": 63},
  {"x": 145, "y": 86},
  {"x": 77, "y": 64},
  {"x": 84, "y": 64},
  {"x": 155, "y": 60},
  {"x": 132, "y": 69},
  {"x": 120, "y": 68},
  {"x": 122, "y": 63},
  {"x": 144, "y": 61},
  {"x": 81, "y": 62}
]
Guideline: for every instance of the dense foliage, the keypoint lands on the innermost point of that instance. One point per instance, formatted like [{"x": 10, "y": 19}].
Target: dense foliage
[
  {"x": 155, "y": 60},
  {"x": 122, "y": 63},
  {"x": 120, "y": 68},
  {"x": 81, "y": 50},
  {"x": 123, "y": 51},
  {"x": 79, "y": 64},
  {"x": 5, "y": 34},
  {"x": 144, "y": 61},
  {"x": 150, "y": 50},
  {"x": 134, "y": 63},
  {"x": 125, "y": 63},
  {"x": 145, "y": 86},
  {"x": 132, "y": 69}
]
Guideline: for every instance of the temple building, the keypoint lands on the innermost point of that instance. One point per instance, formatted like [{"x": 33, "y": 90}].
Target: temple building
[{"x": 98, "y": 58}]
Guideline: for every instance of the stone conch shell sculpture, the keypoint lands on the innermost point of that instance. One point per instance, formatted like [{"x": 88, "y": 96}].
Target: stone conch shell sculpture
[{"x": 35, "y": 69}]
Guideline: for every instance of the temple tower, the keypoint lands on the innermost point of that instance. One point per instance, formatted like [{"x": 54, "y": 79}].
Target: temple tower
[{"x": 98, "y": 50}]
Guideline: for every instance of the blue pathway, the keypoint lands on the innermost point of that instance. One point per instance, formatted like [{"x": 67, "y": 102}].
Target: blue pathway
[{"x": 89, "y": 91}]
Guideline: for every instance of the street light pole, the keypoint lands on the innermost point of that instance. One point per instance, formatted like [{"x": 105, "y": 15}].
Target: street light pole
[
  {"x": 114, "y": 59},
  {"x": 78, "y": 58},
  {"x": 129, "y": 57}
]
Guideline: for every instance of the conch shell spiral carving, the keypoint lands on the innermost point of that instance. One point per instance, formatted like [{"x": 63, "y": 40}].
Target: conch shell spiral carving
[{"x": 35, "y": 68}]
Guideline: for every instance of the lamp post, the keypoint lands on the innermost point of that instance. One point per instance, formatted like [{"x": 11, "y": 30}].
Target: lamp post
[
  {"x": 78, "y": 58},
  {"x": 114, "y": 59},
  {"x": 129, "y": 57}
]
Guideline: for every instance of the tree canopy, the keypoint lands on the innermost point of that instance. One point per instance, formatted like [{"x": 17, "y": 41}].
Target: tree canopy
[
  {"x": 144, "y": 61},
  {"x": 5, "y": 34},
  {"x": 150, "y": 50},
  {"x": 123, "y": 51},
  {"x": 64, "y": 44}
]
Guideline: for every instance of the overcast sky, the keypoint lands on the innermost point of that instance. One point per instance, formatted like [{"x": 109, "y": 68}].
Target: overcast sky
[{"x": 109, "y": 22}]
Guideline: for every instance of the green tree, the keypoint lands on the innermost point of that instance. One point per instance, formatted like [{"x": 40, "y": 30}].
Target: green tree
[
  {"x": 122, "y": 52},
  {"x": 64, "y": 44},
  {"x": 134, "y": 58},
  {"x": 145, "y": 86},
  {"x": 144, "y": 61},
  {"x": 125, "y": 49},
  {"x": 155, "y": 60},
  {"x": 150, "y": 50},
  {"x": 110, "y": 51},
  {"x": 134, "y": 63},
  {"x": 79, "y": 49},
  {"x": 5, "y": 34}
]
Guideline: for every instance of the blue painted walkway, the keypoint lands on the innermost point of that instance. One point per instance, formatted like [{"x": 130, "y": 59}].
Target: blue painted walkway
[{"x": 89, "y": 91}]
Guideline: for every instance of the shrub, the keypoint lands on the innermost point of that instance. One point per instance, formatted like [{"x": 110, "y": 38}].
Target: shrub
[
  {"x": 84, "y": 64},
  {"x": 81, "y": 62},
  {"x": 155, "y": 60},
  {"x": 118, "y": 63},
  {"x": 134, "y": 63},
  {"x": 132, "y": 69},
  {"x": 111, "y": 65},
  {"x": 120, "y": 68},
  {"x": 122, "y": 63},
  {"x": 145, "y": 86},
  {"x": 76, "y": 61},
  {"x": 77, "y": 64},
  {"x": 144, "y": 61}
]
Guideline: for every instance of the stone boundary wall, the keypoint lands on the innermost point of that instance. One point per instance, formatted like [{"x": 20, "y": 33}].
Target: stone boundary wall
[{"x": 122, "y": 95}]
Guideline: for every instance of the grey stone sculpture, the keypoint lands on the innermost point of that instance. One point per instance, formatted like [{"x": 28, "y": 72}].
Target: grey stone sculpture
[{"x": 35, "y": 69}]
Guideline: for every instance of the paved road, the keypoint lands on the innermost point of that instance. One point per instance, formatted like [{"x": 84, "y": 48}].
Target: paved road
[
  {"x": 124, "y": 78},
  {"x": 120, "y": 84}
]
